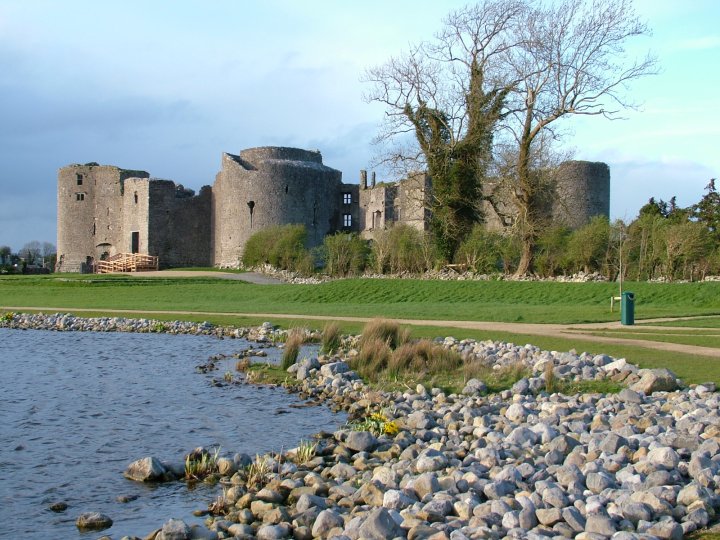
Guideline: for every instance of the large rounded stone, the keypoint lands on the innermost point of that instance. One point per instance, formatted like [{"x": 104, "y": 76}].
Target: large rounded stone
[
  {"x": 148, "y": 469},
  {"x": 326, "y": 521},
  {"x": 93, "y": 521},
  {"x": 379, "y": 525},
  {"x": 664, "y": 456},
  {"x": 174, "y": 529},
  {"x": 361, "y": 441}
]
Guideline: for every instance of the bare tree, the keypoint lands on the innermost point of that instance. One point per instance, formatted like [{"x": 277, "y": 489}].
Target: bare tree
[
  {"x": 31, "y": 252},
  {"x": 442, "y": 107},
  {"x": 48, "y": 249},
  {"x": 571, "y": 61},
  {"x": 508, "y": 68}
]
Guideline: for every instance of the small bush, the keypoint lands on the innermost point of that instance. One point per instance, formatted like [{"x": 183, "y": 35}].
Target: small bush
[
  {"x": 480, "y": 251},
  {"x": 281, "y": 246},
  {"x": 402, "y": 248},
  {"x": 331, "y": 338},
  {"x": 345, "y": 254},
  {"x": 295, "y": 339}
]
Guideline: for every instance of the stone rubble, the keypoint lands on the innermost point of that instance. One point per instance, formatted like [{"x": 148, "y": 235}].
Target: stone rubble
[{"x": 512, "y": 465}]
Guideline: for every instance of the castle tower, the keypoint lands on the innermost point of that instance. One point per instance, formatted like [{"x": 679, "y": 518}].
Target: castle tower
[
  {"x": 583, "y": 191},
  {"x": 269, "y": 186},
  {"x": 90, "y": 214}
]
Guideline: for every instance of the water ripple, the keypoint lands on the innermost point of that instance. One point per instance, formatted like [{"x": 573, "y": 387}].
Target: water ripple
[{"x": 78, "y": 407}]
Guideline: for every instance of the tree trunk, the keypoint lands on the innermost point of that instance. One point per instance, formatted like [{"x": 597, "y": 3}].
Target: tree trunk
[{"x": 528, "y": 245}]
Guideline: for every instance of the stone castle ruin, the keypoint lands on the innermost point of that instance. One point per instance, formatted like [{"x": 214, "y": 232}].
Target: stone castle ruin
[{"x": 104, "y": 210}]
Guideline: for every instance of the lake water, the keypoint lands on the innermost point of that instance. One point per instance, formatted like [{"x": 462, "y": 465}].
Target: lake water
[{"x": 77, "y": 407}]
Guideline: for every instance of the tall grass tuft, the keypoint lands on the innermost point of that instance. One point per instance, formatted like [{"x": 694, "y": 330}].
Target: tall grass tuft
[
  {"x": 259, "y": 471},
  {"x": 423, "y": 357},
  {"x": 295, "y": 339},
  {"x": 384, "y": 330},
  {"x": 305, "y": 451},
  {"x": 372, "y": 360},
  {"x": 200, "y": 464},
  {"x": 331, "y": 338},
  {"x": 551, "y": 383}
]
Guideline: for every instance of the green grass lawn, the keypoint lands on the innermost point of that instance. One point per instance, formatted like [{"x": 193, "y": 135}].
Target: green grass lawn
[
  {"x": 702, "y": 322},
  {"x": 699, "y": 340},
  {"x": 540, "y": 302}
]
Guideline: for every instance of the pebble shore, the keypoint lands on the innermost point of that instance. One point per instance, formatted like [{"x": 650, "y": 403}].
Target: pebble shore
[{"x": 640, "y": 464}]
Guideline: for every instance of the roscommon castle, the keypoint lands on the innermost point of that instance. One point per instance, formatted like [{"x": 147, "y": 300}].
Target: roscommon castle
[{"x": 105, "y": 210}]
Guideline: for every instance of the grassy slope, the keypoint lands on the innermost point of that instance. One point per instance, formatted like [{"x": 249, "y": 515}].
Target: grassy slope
[{"x": 457, "y": 300}]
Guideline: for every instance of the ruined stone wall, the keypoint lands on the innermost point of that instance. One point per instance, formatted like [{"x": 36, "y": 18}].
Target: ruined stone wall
[
  {"x": 376, "y": 208},
  {"x": 90, "y": 213},
  {"x": 136, "y": 215},
  {"x": 583, "y": 191},
  {"x": 270, "y": 186},
  {"x": 412, "y": 201},
  {"x": 179, "y": 225}
]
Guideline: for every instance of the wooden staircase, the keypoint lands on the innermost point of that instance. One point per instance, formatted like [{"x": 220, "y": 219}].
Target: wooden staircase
[{"x": 127, "y": 262}]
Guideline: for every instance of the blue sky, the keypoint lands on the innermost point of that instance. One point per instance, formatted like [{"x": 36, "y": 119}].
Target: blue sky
[{"x": 166, "y": 86}]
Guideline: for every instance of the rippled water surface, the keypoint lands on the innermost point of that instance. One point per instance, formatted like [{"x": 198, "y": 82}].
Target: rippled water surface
[{"x": 77, "y": 407}]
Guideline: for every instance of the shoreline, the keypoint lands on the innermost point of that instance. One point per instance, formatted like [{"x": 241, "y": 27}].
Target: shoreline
[{"x": 521, "y": 463}]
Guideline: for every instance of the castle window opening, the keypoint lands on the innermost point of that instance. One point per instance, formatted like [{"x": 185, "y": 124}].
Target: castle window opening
[
  {"x": 79, "y": 178},
  {"x": 79, "y": 196},
  {"x": 136, "y": 198},
  {"x": 347, "y": 198},
  {"x": 347, "y": 220},
  {"x": 286, "y": 188},
  {"x": 135, "y": 241},
  {"x": 251, "y": 206}
]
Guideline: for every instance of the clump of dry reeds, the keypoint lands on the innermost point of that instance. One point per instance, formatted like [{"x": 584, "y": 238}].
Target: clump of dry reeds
[
  {"x": 331, "y": 338},
  {"x": 389, "y": 332},
  {"x": 295, "y": 339}
]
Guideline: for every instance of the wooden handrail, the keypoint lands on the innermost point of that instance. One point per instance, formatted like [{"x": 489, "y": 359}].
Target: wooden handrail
[{"x": 127, "y": 262}]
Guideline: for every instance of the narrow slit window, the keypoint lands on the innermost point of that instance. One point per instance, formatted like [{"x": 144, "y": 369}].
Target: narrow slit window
[{"x": 136, "y": 198}]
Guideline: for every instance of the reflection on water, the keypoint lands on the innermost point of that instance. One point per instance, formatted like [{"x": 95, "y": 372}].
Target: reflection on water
[{"x": 78, "y": 407}]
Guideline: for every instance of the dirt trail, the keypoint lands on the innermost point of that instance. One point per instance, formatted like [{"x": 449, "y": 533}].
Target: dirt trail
[{"x": 566, "y": 331}]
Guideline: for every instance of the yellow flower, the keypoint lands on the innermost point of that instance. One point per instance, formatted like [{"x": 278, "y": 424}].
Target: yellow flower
[{"x": 391, "y": 428}]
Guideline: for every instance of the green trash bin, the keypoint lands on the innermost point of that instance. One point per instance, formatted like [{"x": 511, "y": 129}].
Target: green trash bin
[{"x": 627, "y": 308}]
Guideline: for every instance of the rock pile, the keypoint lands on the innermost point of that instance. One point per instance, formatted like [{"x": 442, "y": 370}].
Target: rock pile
[
  {"x": 513, "y": 465},
  {"x": 66, "y": 322}
]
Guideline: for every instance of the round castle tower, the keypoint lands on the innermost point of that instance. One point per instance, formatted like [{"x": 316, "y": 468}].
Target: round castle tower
[
  {"x": 583, "y": 191},
  {"x": 269, "y": 186}
]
